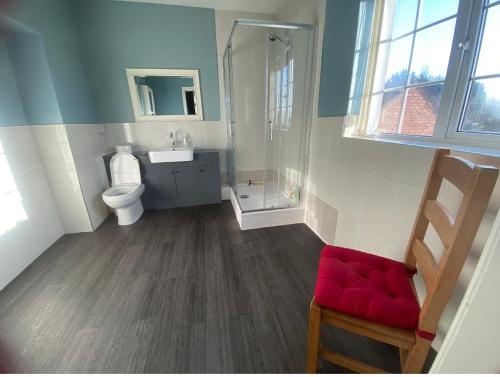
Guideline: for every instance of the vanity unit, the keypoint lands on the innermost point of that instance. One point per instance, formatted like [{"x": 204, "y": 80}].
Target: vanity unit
[{"x": 178, "y": 184}]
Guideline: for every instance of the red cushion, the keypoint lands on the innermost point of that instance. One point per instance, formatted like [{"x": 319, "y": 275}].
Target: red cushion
[{"x": 366, "y": 286}]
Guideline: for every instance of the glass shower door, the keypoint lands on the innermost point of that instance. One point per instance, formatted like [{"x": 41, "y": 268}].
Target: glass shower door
[
  {"x": 286, "y": 120},
  {"x": 230, "y": 153},
  {"x": 276, "y": 98}
]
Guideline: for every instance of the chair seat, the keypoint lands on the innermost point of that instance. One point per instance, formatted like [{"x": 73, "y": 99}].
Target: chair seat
[{"x": 366, "y": 286}]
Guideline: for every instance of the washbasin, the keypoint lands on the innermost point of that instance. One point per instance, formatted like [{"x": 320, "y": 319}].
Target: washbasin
[{"x": 174, "y": 154}]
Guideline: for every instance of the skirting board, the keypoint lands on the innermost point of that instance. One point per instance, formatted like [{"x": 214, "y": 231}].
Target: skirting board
[{"x": 267, "y": 218}]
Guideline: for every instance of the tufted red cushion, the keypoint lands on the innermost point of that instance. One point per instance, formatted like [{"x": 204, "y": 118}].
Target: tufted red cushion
[{"x": 366, "y": 286}]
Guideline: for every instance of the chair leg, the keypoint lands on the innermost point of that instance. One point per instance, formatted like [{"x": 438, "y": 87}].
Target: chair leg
[
  {"x": 417, "y": 356},
  {"x": 403, "y": 355},
  {"x": 313, "y": 337}
]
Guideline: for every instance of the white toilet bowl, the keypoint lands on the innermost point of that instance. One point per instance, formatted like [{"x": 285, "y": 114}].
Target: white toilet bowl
[
  {"x": 125, "y": 199},
  {"x": 124, "y": 195}
]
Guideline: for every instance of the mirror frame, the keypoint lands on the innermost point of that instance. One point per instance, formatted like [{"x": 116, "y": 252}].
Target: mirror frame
[{"x": 134, "y": 95}]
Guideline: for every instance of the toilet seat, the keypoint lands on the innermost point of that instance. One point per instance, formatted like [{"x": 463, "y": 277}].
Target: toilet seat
[{"x": 121, "y": 193}]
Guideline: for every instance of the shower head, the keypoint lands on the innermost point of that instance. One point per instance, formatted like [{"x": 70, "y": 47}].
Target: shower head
[{"x": 273, "y": 37}]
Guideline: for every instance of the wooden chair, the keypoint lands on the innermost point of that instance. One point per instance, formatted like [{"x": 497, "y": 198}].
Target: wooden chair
[{"x": 456, "y": 233}]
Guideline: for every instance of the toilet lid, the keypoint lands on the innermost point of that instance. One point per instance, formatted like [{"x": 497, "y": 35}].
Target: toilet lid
[{"x": 124, "y": 169}]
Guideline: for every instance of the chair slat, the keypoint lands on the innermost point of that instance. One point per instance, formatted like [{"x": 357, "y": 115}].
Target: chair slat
[
  {"x": 349, "y": 362},
  {"x": 426, "y": 263},
  {"x": 431, "y": 192},
  {"x": 391, "y": 335},
  {"x": 456, "y": 170},
  {"x": 441, "y": 219}
]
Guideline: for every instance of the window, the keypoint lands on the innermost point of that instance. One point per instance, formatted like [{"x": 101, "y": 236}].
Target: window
[
  {"x": 360, "y": 56},
  {"x": 281, "y": 93},
  {"x": 481, "y": 109},
  {"x": 426, "y": 68},
  {"x": 12, "y": 209}
]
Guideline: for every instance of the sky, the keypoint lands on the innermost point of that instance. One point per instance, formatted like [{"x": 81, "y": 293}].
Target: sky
[
  {"x": 488, "y": 62},
  {"x": 433, "y": 45}
]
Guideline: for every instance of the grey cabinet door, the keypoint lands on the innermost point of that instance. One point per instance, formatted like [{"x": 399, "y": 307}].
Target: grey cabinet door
[
  {"x": 198, "y": 185},
  {"x": 210, "y": 182},
  {"x": 189, "y": 186},
  {"x": 160, "y": 187}
]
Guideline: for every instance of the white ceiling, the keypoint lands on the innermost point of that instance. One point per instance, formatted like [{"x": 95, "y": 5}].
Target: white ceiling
[{"x": 257, "y": 6}]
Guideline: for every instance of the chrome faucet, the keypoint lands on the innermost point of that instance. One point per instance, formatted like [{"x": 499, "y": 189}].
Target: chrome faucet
[{"x": 172, "y": 140}]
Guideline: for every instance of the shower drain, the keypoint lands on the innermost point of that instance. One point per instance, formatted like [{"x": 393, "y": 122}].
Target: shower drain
[{"x": 244, "y": 196}]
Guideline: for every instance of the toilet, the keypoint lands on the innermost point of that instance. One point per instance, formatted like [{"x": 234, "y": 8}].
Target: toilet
[{"x": 124, "y": 195}]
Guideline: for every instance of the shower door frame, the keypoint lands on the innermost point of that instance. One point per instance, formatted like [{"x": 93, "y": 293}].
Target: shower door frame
[{"x": 229, "y": 102}]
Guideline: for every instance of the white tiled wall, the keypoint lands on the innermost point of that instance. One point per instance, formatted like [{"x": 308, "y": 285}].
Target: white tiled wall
[
  {"x": 34, "y": 221},
  {"x": 59, "y": 164},
  {"x": 89, "y": 142}
]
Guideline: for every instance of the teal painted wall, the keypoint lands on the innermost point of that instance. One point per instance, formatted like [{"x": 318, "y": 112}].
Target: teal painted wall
[
  {"x": 11, "y": 107},
  {"x": 338, "y": 52},
  {"x": 53, "y": 21},
  {"x": 89, "y": 43},
  {"x": 34, "y": 80},
  {"x": 168, "y": 94},
  {"x": 118, "y": 35}
]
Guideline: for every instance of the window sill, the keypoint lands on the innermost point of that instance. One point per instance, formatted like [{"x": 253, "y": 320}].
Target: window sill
[{"x": 458, "y": 146}]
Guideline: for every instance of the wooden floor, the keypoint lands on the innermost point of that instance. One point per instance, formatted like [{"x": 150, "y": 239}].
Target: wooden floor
[{"x": 182, "y": 290}]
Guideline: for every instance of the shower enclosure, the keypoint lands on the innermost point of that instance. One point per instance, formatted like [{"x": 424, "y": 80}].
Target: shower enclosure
[{"x": 267, "y": 77}]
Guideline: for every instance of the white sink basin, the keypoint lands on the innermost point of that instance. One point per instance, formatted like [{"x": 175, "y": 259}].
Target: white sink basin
[{"x": 171, "y": 155}]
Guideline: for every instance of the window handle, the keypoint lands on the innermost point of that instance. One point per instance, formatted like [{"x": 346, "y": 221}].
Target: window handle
[{"x": 464, "y": 46}]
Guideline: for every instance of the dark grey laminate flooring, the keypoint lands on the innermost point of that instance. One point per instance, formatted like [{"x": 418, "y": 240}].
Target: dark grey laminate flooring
[{"x": 182, "y": 290}]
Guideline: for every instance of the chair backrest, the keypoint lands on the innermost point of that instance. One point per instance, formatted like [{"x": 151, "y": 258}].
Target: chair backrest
[{"x": 457, "y": 233}]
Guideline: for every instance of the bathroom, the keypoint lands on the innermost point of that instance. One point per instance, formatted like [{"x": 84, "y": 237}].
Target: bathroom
[{"x": 211, "y": 264}]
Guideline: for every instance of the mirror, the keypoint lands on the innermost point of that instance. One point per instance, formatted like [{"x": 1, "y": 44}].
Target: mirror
[{"x": 165, "y": 94}]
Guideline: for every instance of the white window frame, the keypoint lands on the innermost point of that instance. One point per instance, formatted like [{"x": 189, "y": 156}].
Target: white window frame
[
  {"x": 465, "y": 46},
  {"x": 286, "y": 97},
  {"x": 473, "y": 42}
]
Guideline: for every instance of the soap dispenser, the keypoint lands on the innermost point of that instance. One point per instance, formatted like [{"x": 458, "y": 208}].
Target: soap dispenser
[{"x": 185, "y": 141}]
